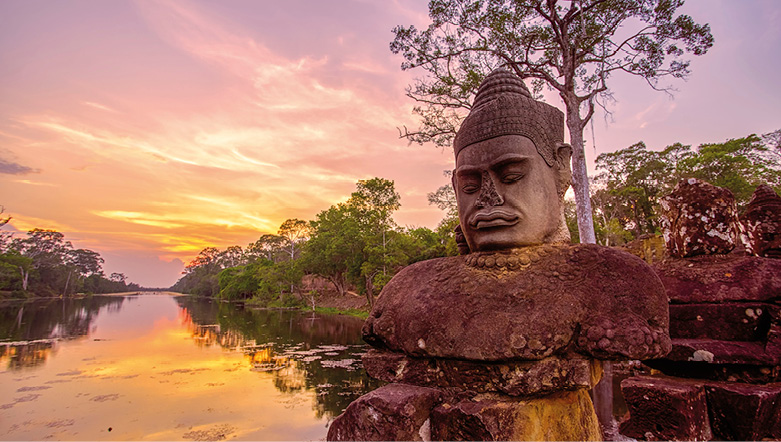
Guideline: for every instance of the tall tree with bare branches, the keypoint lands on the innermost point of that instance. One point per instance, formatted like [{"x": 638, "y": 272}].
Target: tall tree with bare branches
[{"x": 573, "y": 47}]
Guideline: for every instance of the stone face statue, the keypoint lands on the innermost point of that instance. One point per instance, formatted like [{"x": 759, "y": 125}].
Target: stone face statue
[
  {"x": 512, "y": 169},
  {"x": 762, "y": 223},
  {"x": 523, "y": 292},
  {"x": 503, "y": 342}
]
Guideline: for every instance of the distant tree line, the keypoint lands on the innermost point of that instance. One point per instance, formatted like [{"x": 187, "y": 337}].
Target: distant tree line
[
  {"x": 44, "y": 264},
  {"x": 355, "y": 245}
]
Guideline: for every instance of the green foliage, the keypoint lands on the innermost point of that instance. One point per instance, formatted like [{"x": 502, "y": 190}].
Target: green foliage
[
  {"x": 13, "y": 266},
  {"x": 288, "y": 300},
  {"x": 348, "y": 312},
  {"x": 241, "y": 282},
  {"x": 336, "y": 246},
  {"x": 740, "y": 165},
  {"x": 632, "y": 180},
  {"x": 45, "y": 264}
]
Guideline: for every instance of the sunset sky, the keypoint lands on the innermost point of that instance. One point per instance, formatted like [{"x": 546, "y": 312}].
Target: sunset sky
[{"x": 148, "y": 130}]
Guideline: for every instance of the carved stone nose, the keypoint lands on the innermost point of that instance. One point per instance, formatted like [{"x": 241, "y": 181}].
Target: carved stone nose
[{"x": 488, "y": 195}]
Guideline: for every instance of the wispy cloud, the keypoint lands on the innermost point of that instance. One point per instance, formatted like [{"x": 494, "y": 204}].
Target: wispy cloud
[
  {"x": 276, "y": 136},
  {"x": 36, "y": 183},
  {"x": 98, "y": 106}
]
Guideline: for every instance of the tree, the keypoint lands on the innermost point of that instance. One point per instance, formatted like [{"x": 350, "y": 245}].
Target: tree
[
  {"x": 87, "y": 262},
  {"x": 354, "y": 241},
  {"x": 294, "y": 231},
  {"x": 335, "y": 247},
  {"x": 207, "y": 258},
  {"x": 630, "y": 184},
  {"x": 5, "y": 237},
  {"x": 14, "y": 270},
  {"x": 49, "y": 253},
  {"x": 374, "y": 202},
  {"x": 201, "y": 274},
  {"x": 231, "y": 257},
  {"x": 267, "y": 246},
  {"x": 571, "y": 47},
  {"x": 772, "y": 141},
  {"x": 739, "y": 164},
  {"x": 445, "y": 198},
  {"x": 117, "y": 277}
]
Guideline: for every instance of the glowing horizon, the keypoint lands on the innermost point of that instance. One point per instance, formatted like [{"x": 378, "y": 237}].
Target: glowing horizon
[{"x": 149, "y": 130}]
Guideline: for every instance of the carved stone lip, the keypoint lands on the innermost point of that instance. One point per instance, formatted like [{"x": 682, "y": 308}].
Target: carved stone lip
[{"x": 493, "y": 218}]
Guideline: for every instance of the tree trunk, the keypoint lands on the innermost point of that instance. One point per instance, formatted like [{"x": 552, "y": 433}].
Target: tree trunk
[
  {"x": 65, "y": 292},
  {"x": 24, "y": 277},
  {"x": 575, "y": 124},
  {"x": 370, "y": 290},
  {"x": 339, "y": 284}
]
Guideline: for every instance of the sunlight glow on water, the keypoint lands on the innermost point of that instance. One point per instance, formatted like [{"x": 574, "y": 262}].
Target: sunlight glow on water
[{"x": 168, "y": 368}]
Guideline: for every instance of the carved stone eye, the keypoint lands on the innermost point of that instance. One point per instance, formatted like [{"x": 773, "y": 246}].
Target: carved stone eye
[
  {"x": 470, "y": 188},
  {"x": 510, "y": 178}
]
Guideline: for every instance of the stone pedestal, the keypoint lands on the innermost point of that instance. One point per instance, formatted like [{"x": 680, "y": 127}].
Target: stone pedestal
[
  {"x": 567, "y": 415},
  {"x": 392, "y": 412},
  {"x": 665, "y": 409}
]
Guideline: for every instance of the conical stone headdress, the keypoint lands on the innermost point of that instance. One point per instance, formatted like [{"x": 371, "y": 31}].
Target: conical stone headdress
[
  {"x": 764, "y": 199},
  {"x": 504, "y": 106}
]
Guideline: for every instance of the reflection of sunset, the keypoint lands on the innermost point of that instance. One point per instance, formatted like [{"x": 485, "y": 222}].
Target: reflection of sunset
[
  {"x": 158, "y": 383},
  {"x": 25, "y": 355},
  {"x": 260, "y": 358}
]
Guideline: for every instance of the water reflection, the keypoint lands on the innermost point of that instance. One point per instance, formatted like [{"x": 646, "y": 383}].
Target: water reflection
[
  {"x": 301, "y": 351},
  {"x": 168, "y": 368},
  {"x": 29, "y": 331}
]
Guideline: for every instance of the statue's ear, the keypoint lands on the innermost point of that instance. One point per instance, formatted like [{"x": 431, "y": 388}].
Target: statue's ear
[
  {"x": 564, "y": 155},
  {"x": 453, "y": 182}
]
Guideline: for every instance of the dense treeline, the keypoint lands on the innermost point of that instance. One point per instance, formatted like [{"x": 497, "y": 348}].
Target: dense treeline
[
  {"x": 625, "y": 194},
  {"x": 355, "y": 245},
  {"x": 44, "y": 264}
]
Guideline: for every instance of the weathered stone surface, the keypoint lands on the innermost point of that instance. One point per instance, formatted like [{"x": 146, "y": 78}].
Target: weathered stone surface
[
  {"x": 699, "y": 218},
  {"x": 727, "y": 322},
  {"x": 754, "y": 362},
  {"x": 721, "y": 352},
  {"x": 523, "y": 378},
  {"x": 512, "y": 168},
  {"x": 665, "y": 409},
  {"x": 762, "y": 223},
  {"x": 526, "y": 304},
  {"x": 711, "y": 279},
  {"x": 560, "y": 416},
  {"x": 392, "y": 412},
  {"x": 742, "y": 411}
]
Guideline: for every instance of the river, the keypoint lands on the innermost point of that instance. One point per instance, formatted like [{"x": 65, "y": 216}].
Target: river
[{"x": 167, "y": 367}]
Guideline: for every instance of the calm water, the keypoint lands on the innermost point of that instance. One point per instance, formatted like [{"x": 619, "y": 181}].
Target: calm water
[{"x": 161, "y": 367}]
